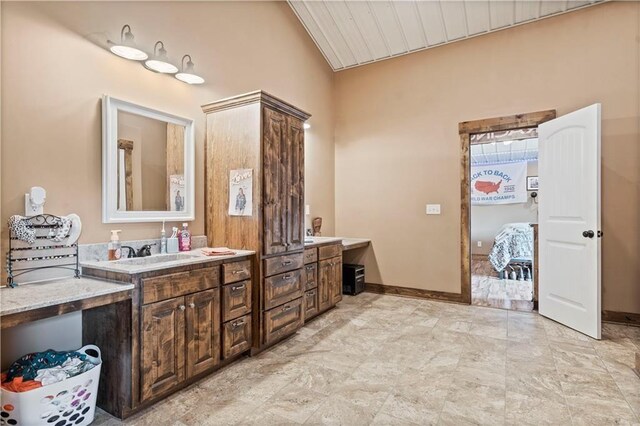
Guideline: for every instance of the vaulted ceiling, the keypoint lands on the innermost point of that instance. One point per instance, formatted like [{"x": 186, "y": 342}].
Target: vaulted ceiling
[{"x": 357, "y": 32}]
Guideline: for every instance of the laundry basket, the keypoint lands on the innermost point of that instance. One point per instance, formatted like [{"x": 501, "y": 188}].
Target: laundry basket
[{"x": 66, "y": 403}]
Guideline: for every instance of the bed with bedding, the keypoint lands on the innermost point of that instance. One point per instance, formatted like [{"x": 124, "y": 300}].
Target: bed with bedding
[{"x": 514, "y": 243}]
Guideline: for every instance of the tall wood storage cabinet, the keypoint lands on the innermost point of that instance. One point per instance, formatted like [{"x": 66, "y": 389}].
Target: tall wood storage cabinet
[{"x": 261, "y": 133}]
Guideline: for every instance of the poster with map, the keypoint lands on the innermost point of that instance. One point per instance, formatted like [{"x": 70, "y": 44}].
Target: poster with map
[{"x": 499, "y": 183}]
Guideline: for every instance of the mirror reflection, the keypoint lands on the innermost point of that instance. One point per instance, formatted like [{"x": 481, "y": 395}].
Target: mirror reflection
[{"x": 150, "y": 165}]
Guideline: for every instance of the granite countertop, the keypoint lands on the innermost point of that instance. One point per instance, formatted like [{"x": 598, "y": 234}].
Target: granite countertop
[
  {"x": 148, "y": 264},
  {"x": 26, "y": 297},
  {"x": 347, "y": 243},
  {"x": 321, "y": 240}
]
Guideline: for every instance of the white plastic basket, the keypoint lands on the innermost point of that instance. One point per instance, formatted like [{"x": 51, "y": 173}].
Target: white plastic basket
[{"x": 71, "y": 402}]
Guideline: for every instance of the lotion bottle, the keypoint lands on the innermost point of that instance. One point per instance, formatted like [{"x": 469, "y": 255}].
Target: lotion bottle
[
  {"x": 114, "y": 248},
  {"x": 184, "y": 238}
]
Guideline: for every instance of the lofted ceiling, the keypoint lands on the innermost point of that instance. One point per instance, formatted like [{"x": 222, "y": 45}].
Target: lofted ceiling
[{"x": 357, "y": 32}]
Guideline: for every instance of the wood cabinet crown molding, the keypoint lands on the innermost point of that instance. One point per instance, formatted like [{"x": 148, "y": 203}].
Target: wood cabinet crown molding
[{"x": 253, "y": 97}]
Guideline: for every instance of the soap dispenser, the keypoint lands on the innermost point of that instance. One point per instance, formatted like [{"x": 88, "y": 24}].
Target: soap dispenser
[{"x": 114, "y": 248}]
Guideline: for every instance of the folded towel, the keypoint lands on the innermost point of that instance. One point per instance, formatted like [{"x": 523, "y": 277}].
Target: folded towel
[
  {"x": 217, "y": 251},
  {"x": 20, "y": 228}
]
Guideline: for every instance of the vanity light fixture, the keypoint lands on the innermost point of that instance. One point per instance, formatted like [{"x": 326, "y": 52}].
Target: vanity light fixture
[
  {"x": 159, "y": 61},
  {"x": 187, "y": 74},
  {"x": 127, "y": 47},
  {"x": 306, "y": 126}
]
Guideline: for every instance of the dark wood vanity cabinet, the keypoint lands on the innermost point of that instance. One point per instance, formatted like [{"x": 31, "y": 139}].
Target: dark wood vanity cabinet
[
  {"x": 184, "y": 323},
  {"x": 259, "y": 132},
  {"x": 323, "y": 279}
]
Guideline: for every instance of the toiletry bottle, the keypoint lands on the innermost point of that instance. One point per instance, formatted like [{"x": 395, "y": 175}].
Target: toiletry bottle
[
  {"x": 114, "y": 247},
  {"x": 184, "y": 238},
  {"x": 163, "y": 240}
]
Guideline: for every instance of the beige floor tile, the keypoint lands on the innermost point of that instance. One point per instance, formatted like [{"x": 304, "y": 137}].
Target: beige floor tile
[
  {"x": 529, "y": 410},
  {"x": 294, "y": 403},
  {"x": 339, "y": 411}
]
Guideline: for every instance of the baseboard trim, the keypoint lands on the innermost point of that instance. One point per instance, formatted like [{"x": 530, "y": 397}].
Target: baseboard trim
[
  {"x": 627, "y": 318},
  {"x": 415, "y": 293}
]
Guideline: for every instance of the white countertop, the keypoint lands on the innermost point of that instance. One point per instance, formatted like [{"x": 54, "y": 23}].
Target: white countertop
[
  {"x": 122, "y": 265},
  {"x": 347, "y": 243},
  {"x": 26, "y": 297}
]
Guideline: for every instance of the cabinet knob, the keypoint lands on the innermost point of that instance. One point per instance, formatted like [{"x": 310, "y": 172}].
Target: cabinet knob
[
  {"x": 192, "y": 305},
  {"x": 182, "y": 307}
]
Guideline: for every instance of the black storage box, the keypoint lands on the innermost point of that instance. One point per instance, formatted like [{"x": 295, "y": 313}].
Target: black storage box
[{"x": 352, "y": 279}]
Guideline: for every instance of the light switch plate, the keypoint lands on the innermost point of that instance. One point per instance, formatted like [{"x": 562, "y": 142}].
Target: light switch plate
[
  {"x": 307, "y": 209},
  {"x": 433, "y": 208}
]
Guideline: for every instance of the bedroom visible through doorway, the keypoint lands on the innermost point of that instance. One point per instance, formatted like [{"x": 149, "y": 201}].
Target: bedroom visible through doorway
[{"x": 503, "y": 216}]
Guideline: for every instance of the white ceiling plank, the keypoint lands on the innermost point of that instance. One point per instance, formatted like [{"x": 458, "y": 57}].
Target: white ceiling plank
[
  {"x": 502, "y": 14},
  {"x": 527, "y": 10},
  {"x": 432, "y": 22},
  {"x": 325, "y": 21},
  {"x": 391, "y": 31},
  {"x": 350, "y": 31},
  {"x": 366, "y": 23},
  {"x": 551, "y": 7},
  {"x": 355, "y": 32},
  {"x": 455, "y": 21},
  {"x": 317, "y": 34},
  {"x": 477, "y": 13},
  {"x": 410, "y": 24}
]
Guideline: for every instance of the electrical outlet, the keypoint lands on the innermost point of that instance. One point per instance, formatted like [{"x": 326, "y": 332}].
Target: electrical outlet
[
  {"x": 433, "y": 208},
  {"x": 479, "y": 243}
]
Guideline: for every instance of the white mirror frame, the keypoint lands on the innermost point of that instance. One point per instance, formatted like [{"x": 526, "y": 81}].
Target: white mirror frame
[{"x": 110, "y": 212}]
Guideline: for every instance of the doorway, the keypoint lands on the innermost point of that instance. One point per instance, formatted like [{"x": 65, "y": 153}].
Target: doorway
[
  {"x": 497, "y": 130},
  {"x": 504, "y": 216}
]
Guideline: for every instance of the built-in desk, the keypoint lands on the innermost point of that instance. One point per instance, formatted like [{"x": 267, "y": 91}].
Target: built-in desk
[{"x": 36, "y": 301}]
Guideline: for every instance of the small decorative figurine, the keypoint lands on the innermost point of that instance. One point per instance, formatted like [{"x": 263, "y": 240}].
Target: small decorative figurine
[{"x": 317, "y": 224}]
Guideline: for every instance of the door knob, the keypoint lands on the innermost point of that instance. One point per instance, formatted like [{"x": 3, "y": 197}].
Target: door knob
[{"x": 588, "y": 234}]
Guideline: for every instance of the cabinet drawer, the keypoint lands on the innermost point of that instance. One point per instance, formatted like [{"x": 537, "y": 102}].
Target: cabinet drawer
[
  {"x": 310, "y": 276},
  {"x": 277, "y": 265},
  {"x": 180, "y": 284},
  {"x": 236, "y": 271},
  {"x": 333, "y": 250},
  {"x": 236, "y": 300},
  {"x": 310, "y": 255},
  {"x": 283, "y": 320},
  {"x": 282, "y": 288},
  {"x": 310, "y": 303},
  {"x": 236, "y": 337}
]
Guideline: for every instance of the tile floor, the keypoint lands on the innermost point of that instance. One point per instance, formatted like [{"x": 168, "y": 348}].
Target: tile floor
[
  {"x": 500, "y": 293},
  {"x": 387, "y": 360}
]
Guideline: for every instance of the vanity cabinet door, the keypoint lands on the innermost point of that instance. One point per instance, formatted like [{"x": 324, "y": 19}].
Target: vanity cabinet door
[
  {"x": 336, "y": 280},
  {"x": 295, "y": 201},
  {"x": 203, "y": 331},
  {"x": 163, "y": 346},
  {"x": 325, "y": 271},
  {"x": 275, "y": 185}
]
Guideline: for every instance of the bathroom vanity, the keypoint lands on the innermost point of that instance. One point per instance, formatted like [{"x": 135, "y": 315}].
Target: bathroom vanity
[{"x": 188, "y": 315}]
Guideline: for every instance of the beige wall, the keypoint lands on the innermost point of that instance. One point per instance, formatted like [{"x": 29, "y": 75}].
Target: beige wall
[
  {"x": 397, "y": 145},
  {"x": 55, "y": 70},
  {"x": 488, "y": 219}
]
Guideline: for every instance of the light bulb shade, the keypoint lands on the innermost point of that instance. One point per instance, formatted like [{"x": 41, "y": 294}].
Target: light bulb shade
[
  {"x": 187, "y": 74},
  {"x": 159, "y": 62},
  {"x": 189, "y": 78},
  {"x": 127, "y": 47}
]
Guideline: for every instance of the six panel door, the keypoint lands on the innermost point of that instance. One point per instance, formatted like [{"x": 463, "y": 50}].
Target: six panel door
[
  {"x": 203, "y": 331},
  {"x": 162, "y": 348},
  {"x": 275, "y": 189}
]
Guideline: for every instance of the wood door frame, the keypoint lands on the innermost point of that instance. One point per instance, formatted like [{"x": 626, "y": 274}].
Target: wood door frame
[{"x": 465, "y": 130}]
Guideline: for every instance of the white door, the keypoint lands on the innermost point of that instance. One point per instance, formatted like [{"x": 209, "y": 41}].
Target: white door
[{"x": 569, "y": 220}]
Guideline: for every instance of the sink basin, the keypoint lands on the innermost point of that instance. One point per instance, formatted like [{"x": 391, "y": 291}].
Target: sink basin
[{"x": 152, "y": 260}]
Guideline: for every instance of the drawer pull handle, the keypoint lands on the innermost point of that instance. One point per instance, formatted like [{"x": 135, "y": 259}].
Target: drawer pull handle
[
  {"x": 182, "y": 307},
  {"x": 286, "y": 308},
  {"x": 240, "y": 271},
  {"x": 310, "y": 268},
  {"x": 237, "y": 287},
  {"x": 237, "y": 324},
  {"x": 287, "y": 262},
  {"x": 192, "y": 305},
  {"x": 312, "y": 293},
  {"x": 287, "y": 277}
]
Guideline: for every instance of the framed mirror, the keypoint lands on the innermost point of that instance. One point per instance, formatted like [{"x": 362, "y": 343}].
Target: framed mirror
[{"x": 147, "y": 164}]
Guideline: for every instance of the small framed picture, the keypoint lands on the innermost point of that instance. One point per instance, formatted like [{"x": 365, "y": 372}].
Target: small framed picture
[{"x": 532, "y": 183}]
